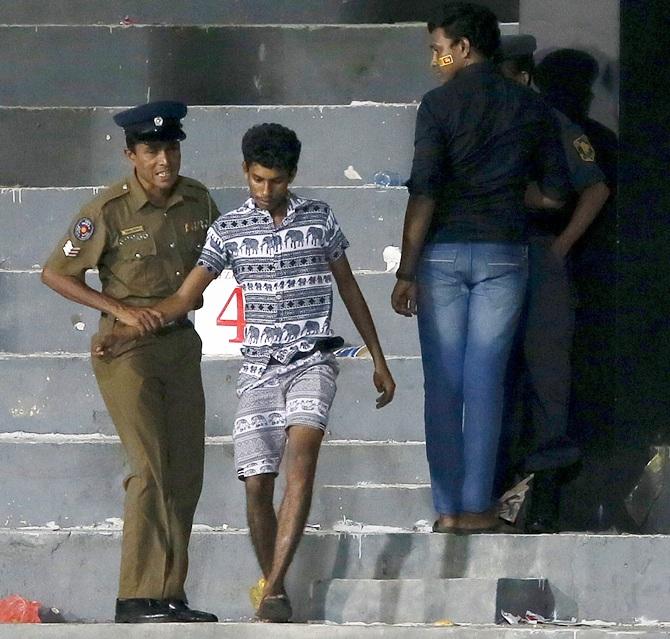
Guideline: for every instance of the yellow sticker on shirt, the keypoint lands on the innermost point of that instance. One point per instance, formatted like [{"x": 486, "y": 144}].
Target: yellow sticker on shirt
[
  {"x": 132, "y": 230},
  {"x": 584, "y": 148}
]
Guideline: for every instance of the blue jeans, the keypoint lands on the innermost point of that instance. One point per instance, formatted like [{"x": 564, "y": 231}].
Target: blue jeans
[{"x": 469, "y": 302}]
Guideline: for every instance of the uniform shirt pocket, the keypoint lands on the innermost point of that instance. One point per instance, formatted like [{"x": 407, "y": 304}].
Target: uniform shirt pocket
[
  {"x": 137, "y": 249},
  {"x": 139, "y": 267}
]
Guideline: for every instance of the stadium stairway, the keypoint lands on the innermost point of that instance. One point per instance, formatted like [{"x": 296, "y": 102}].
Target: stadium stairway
[{"x": 347, "y": 77}]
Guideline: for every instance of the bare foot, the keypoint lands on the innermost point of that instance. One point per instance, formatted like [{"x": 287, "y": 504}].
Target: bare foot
[
  {"x": 446, "y": 523},
  {"x": 478, "y": 521}
]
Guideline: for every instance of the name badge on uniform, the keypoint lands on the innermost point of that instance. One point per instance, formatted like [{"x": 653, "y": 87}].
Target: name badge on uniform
[{"x": 132, "y": 230}]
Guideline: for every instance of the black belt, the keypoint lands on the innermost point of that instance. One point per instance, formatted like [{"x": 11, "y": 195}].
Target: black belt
[
  {"x": 183, "y": 322},
  {"x": 323, "y": 345}
]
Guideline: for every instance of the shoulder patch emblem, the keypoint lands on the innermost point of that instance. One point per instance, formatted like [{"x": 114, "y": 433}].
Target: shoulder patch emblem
[
  {"x": 83, "y": 229},
  {"x": 70, "y": 249},
  {"x": 584, "y": 148}
]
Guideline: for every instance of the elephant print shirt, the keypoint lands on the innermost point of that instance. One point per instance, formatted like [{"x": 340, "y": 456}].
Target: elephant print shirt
[{"x": 284, "y": 273}]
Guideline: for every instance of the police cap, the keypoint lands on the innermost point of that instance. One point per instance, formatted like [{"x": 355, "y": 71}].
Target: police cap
[
  {"x": 153, "y": 121},
  {"x": 514, "y": 46}
]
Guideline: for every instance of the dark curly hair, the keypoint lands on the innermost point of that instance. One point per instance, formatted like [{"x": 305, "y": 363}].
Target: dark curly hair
[
  {"x": 271, "y": 145},
  {"x": 466, "y": 20}
]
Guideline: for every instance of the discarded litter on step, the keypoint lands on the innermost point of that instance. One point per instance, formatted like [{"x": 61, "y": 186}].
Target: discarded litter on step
[
  {"x": 649, "y": 487},
  {"x": 510, "y": 504},
  {"x": 352, "y": 351},
  {"x": 16, "y": 609},
  {"x": 384, "y": 179},
  {"x": 534, "y": 619},
  {"x": 391, "y": 256},
  {"x": 444, "y": 622}
]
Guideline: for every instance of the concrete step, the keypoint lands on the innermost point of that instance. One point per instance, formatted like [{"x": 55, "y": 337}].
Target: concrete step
[
  {"x": 237, "y": 12},
  {"x": 318, "y": 631},
  {"x": 375, "y": 504},
  {"x": 617, "y": 578},
  {"x": 363, "y": 212},
  {"x": 37, "y": 392},
  {"x": 55, "y": 147},
  {"x": 67, "y": 327},
  {"x": 461, "y": 600},
  {"x": 77, "y": 481}
]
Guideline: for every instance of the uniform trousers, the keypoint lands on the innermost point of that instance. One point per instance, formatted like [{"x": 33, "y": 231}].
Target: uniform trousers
[
  {"x": 469, "y": 301},
  {"x": 549, "y": 330},
  {"x": 154, "y": 395}
]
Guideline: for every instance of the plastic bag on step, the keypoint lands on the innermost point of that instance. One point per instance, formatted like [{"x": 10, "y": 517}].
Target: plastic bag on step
[{"x": 15, "y": 609}]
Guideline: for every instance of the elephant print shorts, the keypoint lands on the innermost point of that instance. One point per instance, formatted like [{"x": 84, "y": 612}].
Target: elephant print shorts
[{"x": 301, "y": 392}]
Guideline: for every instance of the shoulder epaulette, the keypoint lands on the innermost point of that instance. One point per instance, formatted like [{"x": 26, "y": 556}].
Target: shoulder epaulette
[
  {"x": 194, "y": 184},
  {"x": 108, "y": 194}
]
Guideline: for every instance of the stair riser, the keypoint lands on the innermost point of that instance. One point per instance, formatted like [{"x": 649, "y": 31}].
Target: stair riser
[
  {"x": 36, "y": 392},
  {"x": 81, "y": 485},
  {"x": 100, "y": 66},
  {"x": 611, "y": 578},
  {"x": 59, "y": 330},
  {"x": 229, "y": 11},
  {"x": 366, "y": 213},
  {"x": 429, "y": 600},
  {"x": 83, "y": 147}
]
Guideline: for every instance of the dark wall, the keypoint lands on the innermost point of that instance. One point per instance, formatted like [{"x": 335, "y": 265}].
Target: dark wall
[
  {"x": 644, "y": 223},
  {"x": 588, "y": 25}
]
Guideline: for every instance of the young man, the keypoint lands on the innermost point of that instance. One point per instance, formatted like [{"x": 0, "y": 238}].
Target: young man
[
  {"x": 143, "y": 235},
  {"x": 549, "y": 314},
  {"x": 479, "y": 137},
  {"x": 284, "y": 251}
]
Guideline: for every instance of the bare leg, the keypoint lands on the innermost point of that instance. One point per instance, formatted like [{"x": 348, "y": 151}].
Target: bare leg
[
  {"x": 261, "y": 518},
  {"x": 301, "y": 457}
]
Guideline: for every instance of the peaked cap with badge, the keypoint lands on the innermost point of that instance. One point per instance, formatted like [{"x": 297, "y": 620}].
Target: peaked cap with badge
[
  {"x": 154, "y": 121},
  {"x": 516, "y": 46}
]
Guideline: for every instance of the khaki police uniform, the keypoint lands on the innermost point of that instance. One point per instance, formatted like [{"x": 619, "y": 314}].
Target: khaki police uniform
[{"x": 153, "y": 390}]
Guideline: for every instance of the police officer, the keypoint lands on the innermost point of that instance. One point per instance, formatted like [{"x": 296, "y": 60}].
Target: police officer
[
  {"x": 549, "y": 317},
  {"x": 143, "y": 234}
]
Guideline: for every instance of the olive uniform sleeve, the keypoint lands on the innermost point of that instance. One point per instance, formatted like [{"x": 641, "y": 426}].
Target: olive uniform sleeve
[{"x": 82, "y": 246}]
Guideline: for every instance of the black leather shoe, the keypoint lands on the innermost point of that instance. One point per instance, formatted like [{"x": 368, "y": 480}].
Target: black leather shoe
[
  {"x": 143, "y": 611},
  {"x": 183, "y": 613}
]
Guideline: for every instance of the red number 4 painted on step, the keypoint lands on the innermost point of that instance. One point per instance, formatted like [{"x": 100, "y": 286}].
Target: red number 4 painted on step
[{"x": 238, "y": 320}]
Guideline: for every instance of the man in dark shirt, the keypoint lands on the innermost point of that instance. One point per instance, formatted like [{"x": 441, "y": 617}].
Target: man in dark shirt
[{"x": 479, "y": 140}]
